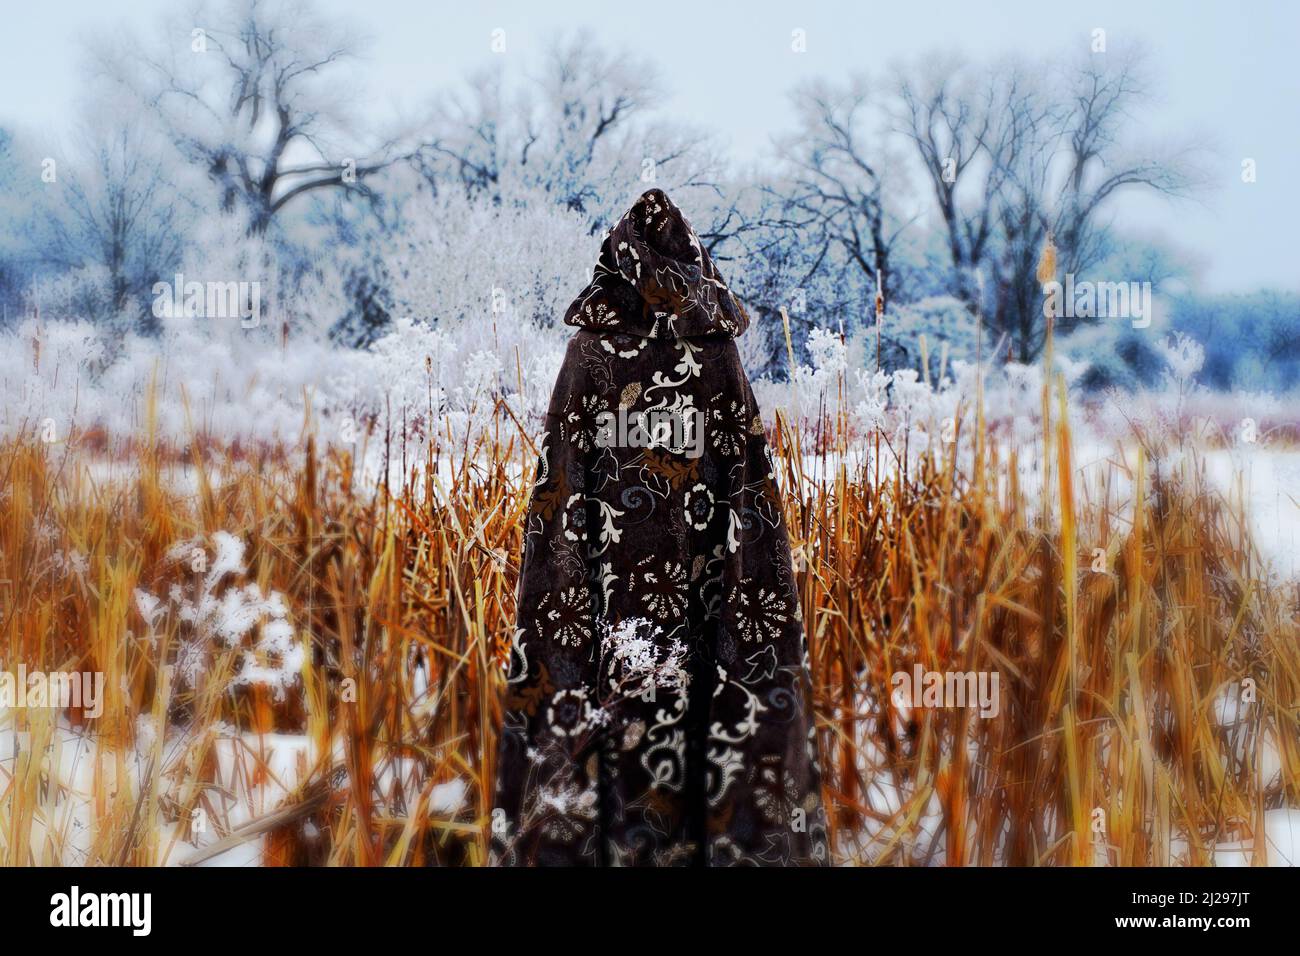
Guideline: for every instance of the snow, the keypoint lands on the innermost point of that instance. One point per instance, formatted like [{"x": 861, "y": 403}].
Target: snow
[
  {"x": 1281, "y": 842},
  {"x": 255, "y": 774},
  {"x": 1265, "y": 481}
]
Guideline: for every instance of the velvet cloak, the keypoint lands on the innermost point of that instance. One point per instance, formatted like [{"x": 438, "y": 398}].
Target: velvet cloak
[{"x": 658, "y": 708}]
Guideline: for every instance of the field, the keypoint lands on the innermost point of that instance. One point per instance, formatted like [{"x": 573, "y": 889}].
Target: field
[{"x": 302, "y": 665}]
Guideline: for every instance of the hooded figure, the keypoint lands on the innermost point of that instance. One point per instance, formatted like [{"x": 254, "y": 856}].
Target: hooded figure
[{"x": 658, "y": 709}]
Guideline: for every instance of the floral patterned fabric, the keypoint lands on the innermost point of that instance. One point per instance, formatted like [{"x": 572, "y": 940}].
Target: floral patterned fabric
[{"x": 658, "y": 706}]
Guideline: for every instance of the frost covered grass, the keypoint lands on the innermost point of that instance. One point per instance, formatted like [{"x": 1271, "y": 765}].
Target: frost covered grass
[
  {"x": 302, "y": 651},
  {"x": 207, "y": 384}
]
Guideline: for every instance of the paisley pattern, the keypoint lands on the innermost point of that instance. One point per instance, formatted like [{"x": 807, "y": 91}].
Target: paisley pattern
[{"x": 658, "y": 709}]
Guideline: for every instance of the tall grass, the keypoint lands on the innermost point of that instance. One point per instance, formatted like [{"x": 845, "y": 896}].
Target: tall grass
[{"x": 1149, "y": 666}]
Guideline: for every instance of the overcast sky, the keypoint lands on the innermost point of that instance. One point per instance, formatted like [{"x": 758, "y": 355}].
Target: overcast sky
[{"x": 1227, "y": 71}]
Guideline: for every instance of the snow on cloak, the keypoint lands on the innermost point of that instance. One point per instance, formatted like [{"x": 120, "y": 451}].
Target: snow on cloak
[{"x": 658, "y": 709}]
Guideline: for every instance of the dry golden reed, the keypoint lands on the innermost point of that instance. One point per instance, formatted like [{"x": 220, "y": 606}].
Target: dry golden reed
[{"x": 1117, "y": 626}]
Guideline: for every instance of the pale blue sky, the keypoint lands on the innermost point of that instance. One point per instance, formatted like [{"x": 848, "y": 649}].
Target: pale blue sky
[{"x": 1228, "y": 71}]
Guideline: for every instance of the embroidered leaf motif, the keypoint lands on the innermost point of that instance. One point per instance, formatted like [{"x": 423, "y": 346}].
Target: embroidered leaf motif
[{"x": 676, "y": 470}]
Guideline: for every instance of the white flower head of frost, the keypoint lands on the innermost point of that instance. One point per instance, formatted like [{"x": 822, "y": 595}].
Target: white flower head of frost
[
  {"x": 275, "y": 657},
  {"x": 637, "y": 663}
]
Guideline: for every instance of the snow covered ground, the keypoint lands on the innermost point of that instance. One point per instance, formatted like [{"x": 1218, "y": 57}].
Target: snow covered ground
[
  {"x": 255, "y": 774},
  {"x": 1266, "y": 483},
  {"x": 1281, "y": 831}
]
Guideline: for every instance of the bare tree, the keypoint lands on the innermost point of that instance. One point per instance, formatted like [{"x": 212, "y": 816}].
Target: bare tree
[
  {"x": 1101, "y": 102},
  {"x": 587, "y": 100},
  {"x": 254, "y": 94},
  {"x": 579, "y": 132},
  {"x": 1013, "y": 161},
  {"x": 117, "y": 212},
  {"x": 841, "y": 174},
  {"x": 967, "y": 131}
]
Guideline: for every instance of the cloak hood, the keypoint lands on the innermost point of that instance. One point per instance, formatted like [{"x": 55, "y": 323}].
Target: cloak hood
[{"x": 654, "y": 278}]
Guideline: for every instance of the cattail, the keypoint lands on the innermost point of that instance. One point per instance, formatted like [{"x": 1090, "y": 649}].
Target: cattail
[
  {"x": 1047, "y": 261},
  {"x": 880, "y": 310}
]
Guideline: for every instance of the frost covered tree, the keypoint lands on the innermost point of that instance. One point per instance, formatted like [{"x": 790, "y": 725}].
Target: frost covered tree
[
  {"x": 17, "y": 197},
  {"x": 256, "y": 94},
  {"x": 555, "y": 153},
  {"x": 846, "y": 184},
  {"x": 88, "y": 222},
  {"x": 578, "y": 133},
  {"x": 1025, "y": 151},
  {"x": 117, "y": 214},
  {"x": 965, "y": 127}
]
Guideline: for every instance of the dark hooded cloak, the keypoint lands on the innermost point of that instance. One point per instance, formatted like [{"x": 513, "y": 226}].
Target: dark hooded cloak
[{"x": 658, "y": 709}]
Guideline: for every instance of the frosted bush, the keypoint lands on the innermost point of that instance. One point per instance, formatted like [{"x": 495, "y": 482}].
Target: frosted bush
[
  {"x": 215, "y": 614},
  {"x": 874, "y": 403},
  {"x": 1184, "y": 357},
  {"x": 474, "y": 323},
  {"x": 457, "y": 264},
  {"x": 829, "y": 353},
  {"x": 229, "y": 382},
  {"x": 45, "y": 369},
  {"x": 895, "y": 402},
  {"x": 945, "y": 321},
  {"x": 423, "y": 382}
]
